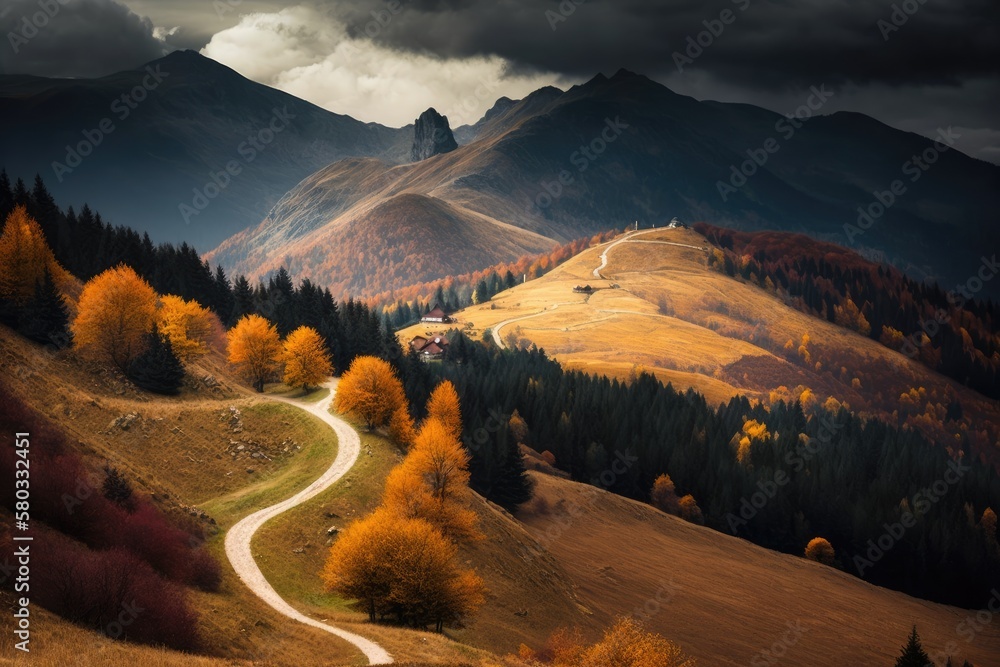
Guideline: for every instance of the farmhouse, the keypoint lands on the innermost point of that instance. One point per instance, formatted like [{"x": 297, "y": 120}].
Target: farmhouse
[
  {"x": 429, "y": 348},
  {"x": 436, "y": 315}
]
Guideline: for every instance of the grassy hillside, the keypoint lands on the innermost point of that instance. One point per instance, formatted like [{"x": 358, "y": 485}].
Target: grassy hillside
[
  {"x": 572, "y": 559},
  {"x": 725, "y": 600},
  {"x": 658, "y": 306}
]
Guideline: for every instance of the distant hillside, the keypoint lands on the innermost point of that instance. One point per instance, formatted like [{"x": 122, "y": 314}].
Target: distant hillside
[
  {"x": 561, "y": 165},
  {"x": 182, "y": 119},
  {"x": 659, "y": 306}
]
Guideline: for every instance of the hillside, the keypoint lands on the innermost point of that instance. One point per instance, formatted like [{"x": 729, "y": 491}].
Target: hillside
[
  {"x": 193, "y": 119},
  {"x": 562, "y": 165},
  {"x": 726, "y": 601},
  {"x": 181, "y": 451},
  {"x": 658, "y": 306}
]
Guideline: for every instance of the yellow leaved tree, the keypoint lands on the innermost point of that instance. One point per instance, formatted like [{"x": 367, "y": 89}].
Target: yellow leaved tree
[
  {"x": 307, "y": 361},
  {"x": 443, "y": 405},
  {"x": 371, "y": 390},
  {"x": 404, "y": 569},
  {"x": 254, "y": 347},
  {"x": 187, "y": 324},
  {"x": 117, "y": 309},
  {"x": 24, "y": 258}
]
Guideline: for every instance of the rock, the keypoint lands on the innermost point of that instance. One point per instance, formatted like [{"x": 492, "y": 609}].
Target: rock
[
  {"x": 125, "y": 421},
  {"x": 210, "y": 381},
  {"x": 332, "y": 530},
  {"x": 300, "y": 550},
  {"x": 431, "y": 136},
  {"x": 249, "y": 471}
]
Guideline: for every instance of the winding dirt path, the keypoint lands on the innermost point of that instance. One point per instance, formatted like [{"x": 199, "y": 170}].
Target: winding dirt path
[{"x": 239, "y": 536}]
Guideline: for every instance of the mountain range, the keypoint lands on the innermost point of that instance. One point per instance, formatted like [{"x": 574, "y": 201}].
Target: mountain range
[
  {"x": 339, "y": 201},
  {"x": 183, "y": 148}
]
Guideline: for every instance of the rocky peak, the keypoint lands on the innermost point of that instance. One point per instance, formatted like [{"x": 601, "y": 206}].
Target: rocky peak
[{"x": 431, "y": 136}]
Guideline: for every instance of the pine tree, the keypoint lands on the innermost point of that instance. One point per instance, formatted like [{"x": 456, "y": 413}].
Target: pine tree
[
  {"x": 45, "y": 317},
  {"x": 242, "y": 300},
  {"x": 512, "y": 486},
  {"x": 157, "y": 369},
  {"x": 913, "y": 654}
]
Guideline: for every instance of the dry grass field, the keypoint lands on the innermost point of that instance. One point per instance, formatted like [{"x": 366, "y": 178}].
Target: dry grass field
[
  {"x": 659, "y": 307},
  {"x": 725, "y": 600},
  {"x": 721, "y": 598}
]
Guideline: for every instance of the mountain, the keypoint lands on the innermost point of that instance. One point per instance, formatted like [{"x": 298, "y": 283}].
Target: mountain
[
  {"x": 559, "y": 165},
  {"x": 140, "y": 143}
]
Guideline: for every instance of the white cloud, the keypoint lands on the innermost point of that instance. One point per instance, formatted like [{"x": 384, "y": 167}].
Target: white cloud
[{"x": 310, "y": 55}]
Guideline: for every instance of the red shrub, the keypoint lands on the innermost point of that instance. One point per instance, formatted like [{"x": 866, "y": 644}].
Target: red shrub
[{"x": 113, "y": 592}]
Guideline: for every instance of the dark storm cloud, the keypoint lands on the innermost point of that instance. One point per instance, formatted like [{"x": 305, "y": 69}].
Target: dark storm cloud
[
  {"x": 73, "y": 38},
  {"x": 767, "y": 43}
]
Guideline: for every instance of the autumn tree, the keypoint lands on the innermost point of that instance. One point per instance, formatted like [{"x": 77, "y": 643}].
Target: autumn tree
[
  {"x": 443, "y": 405},
  {"x": 253, "y": 346},
  {"x": 25, "y": 257},
  {"x": 187, "y": 324},
  {"x": 402, "y": 428},
  {"x": 370, "y": 389},
  {"x": 821, "y": 551},
  {"x": 404, "y": 569},
  {"x": 689, "y": 511},
  {"x": 663, "y": 496},
  {"x": 432, "y": 482},
  {"x": 626, "y": 644},
  {"x": 117, "y": 309},
  {"x": 307, "y": 360}
]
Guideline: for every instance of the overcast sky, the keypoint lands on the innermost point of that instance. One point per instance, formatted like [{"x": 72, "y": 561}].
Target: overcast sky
[{"x": 387, "y": 61}]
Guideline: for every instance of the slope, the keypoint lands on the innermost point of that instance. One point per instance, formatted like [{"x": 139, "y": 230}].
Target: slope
[
  {"x": 620, "y": 149},
  {"x": 658, "y": 306},
  {"x": 728, "y": 602},
  {"x": 139, "y": 144}
]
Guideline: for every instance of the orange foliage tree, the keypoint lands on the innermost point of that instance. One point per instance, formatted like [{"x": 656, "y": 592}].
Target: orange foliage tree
[
  {"x": 443, "y": 405},
  {"x": 187, "y": 324},
  {"x": 689, "y": 511},
  {"x": 254, "y": 347},
  {"x": 402, "y": 428},
  {"x": 116, "y": 310},
  {"x": 307, "y": 360},
  {"x": 402, "y": 568},
  {"x": 626, "y": 644},
  {"x": 663, "y": 496},
  {"x": 370, "y": 389},
  {"x": 821, "y": 551},
  {"x": 24, "y": 258},
  {"x": 432, "y": 483}
]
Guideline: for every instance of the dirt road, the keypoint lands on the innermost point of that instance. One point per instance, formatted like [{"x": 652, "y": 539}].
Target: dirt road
[{"x": 239, "y": 536}]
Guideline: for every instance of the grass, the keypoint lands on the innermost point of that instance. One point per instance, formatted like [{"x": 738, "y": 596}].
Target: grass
[
  {"x": 660, "y": 308},
  {"x": 724, "y": 599},
  {"x": 312, "y": 395}
]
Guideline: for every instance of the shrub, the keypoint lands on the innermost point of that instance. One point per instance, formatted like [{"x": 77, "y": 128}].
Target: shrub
[{"x": 821, "y": 551}]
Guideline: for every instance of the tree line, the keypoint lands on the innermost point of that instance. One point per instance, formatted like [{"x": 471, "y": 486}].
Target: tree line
[
  {"x": 778, "y": 476},
  {"x": 953, "y": 333}
]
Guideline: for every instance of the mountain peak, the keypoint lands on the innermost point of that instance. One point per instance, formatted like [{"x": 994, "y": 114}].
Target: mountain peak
[{"x": 431, "y": 136}]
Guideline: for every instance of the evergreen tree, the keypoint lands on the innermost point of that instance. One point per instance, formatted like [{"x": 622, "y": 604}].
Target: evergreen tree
[
  {"x": 6, "y": 196},
  {"x": 45, "y": 317},
  {"x": 243, "y": 300},
  {"x": 913, "y": 654},
  {"x": 157, "y": 368},
  {"x": 512, "y": 486}
]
